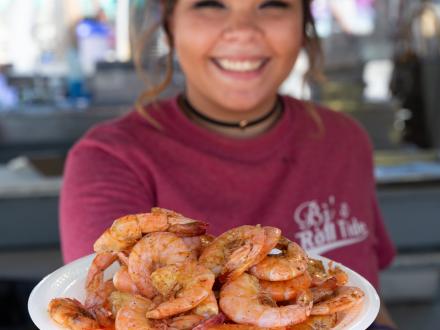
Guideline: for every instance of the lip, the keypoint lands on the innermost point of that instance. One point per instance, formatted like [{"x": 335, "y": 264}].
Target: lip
[{"x": 244, "y": 75}]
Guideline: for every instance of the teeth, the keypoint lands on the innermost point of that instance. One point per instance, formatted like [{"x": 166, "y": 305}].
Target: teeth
[{"x": 240, "y": 66}]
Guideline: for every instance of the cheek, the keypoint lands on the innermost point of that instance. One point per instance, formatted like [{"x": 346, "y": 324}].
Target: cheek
[
  {"x": 287, "y": 38},
  {"x": 191, "y": 46},
  {"x": 192, "y": 63},
  {"x": 183, "y": 51}
]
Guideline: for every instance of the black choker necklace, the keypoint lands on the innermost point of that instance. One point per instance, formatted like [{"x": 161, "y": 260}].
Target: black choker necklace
[{"x": 241, "y": 124}]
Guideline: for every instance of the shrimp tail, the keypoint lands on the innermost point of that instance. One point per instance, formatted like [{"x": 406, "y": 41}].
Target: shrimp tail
[
  {"x": 212, "y": 321},
  {"x": 345, "y": 298},
  {"x": 189, "y": 229}
]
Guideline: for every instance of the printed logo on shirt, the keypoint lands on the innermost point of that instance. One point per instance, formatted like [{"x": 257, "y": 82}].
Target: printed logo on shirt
[{"x": 327, "y": 226}]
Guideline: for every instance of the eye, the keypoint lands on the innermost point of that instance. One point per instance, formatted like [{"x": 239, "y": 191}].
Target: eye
[
  {"x": 275, "y": 4},
  {"x": 208, "y": 4}
]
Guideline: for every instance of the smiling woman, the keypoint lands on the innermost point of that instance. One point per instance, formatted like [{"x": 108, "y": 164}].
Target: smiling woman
[
  {"x": 243, "y": 51},
  {"x": 229, "y": 149}
]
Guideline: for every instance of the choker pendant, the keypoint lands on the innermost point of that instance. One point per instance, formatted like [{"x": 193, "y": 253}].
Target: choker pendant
[{"x": 242, "y": 124}]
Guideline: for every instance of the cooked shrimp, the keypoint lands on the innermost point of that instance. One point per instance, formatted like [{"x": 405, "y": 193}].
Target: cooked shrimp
[
  {"x": 318, "y": 322},
  {"x": 287, "y": 290},
  {"x": 123, "y": 257},
  {"x": 120, "y": 299},
  {"x": 320, "y": 275},
  {"x": 206, "y": 239},
  {"x": 98, "y": 291},
  {"x": 99, "y": 304},
  {"x": 198, "y": 243},
  {"x": 193, "y": 284},
  {"x": 95, "y": 274},
  {"x": 184, "y": 322},
  {"x": 194, "y": 243},
  {"x": 340, "y": 276},
  {"x": 272, "y": 236},
  {"x": 324, "y": 290},
  {"x": 123, "y": 281},
  {"x": 233, "y": 252},
  {"x": 345, "y": 297},
  {"x": 208, "y": 307},
  {"x": 154, "y": 251},
  {"x": 284, "y": 266},
  {"x": 241, "y": 327},
  {"x": 164, "y": 281},
  {"x": 240, "y": 300},
  {"x": 211, "y": 322},
  {"x": 131, "y": 316},
  {"x": 127, "y": 230},
  {"x": 71, "y": 314},
  {"x": 317, "y": 271}
]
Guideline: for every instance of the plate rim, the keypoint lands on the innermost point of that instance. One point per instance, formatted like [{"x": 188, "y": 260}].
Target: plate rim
[{"x": 35, "y": 314}]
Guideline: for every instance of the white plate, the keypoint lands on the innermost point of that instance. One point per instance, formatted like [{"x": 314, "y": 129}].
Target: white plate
[{"x": 68, "y": 281}]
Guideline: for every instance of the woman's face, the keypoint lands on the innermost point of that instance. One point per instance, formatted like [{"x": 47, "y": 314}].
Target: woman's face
[{"x": 236, "y": 53}]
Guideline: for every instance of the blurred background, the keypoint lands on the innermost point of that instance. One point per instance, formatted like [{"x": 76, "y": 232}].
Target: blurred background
[{"x": 68, "y": 64}]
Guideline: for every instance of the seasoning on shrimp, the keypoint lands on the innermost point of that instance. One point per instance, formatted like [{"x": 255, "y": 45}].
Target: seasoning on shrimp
[
  {"x": 95, "y": 274},
  {"x": 340, "y": 276},
  {"x": 99, "y": 305},
  {"x": 120, "y": 299},
  {"x": 127, "y": 230},
  {"x": 345, "y": 298},
  {"x": 234, "y": 251},
  {"x": 193, "y": 284},
  {"x": 152, "y": 252},
  {"x": 316, "y": 322},
  {"x": 131, "y": 316},
  {"x": 211, "y": 323},
  {"x": 98, "y": 291},
  {"x": 241, "y": 327},
  {"x": 208, "y": 307},
  {"x": 336, "y": 278},
  {"x": 240, "y": 301},
  {"x": 287, "y": 290},
  {"x": 123, "y": 281},
  {"x": 291, "y": 262},
  {"x": 324, "y": 290},
  {"x": 184, "y": 322},
  {"x": 198, "y": 243},
  {"x": 272, "y": 236},
  {"x": 317, "y": 271},
  {"x": 71, "y": 314}
]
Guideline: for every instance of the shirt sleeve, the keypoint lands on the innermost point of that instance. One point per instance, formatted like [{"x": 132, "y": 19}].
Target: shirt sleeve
[{"x": 97, "y": 189}]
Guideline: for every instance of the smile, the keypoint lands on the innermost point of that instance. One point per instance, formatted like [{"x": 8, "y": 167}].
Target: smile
[{"x": 240, "y": 65}]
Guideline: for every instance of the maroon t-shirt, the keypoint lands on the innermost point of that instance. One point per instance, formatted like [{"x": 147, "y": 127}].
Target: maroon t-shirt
[{"x": 317, "y": 186}]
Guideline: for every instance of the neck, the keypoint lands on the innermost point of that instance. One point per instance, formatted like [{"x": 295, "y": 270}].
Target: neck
[{"x": 239, "y": 128}]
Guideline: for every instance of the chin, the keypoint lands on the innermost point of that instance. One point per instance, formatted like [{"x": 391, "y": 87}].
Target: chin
[
  {"x": 240, "y": 106},
  {"x": 246, "y": 106},
  {"x": 241, "y": 101}
]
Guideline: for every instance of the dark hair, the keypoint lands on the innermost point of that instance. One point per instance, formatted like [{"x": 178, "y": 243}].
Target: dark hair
[{"x": 311, "y": 45}]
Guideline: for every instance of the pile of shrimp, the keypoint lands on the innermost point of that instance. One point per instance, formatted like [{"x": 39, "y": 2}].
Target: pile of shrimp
[{"x": 174, "y": 276}]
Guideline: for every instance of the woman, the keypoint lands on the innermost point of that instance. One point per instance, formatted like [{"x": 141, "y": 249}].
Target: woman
[{"x": 230, "y": 150}]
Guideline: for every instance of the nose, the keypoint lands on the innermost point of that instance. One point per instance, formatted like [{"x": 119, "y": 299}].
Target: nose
[{"x": 241, "y": 27}]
